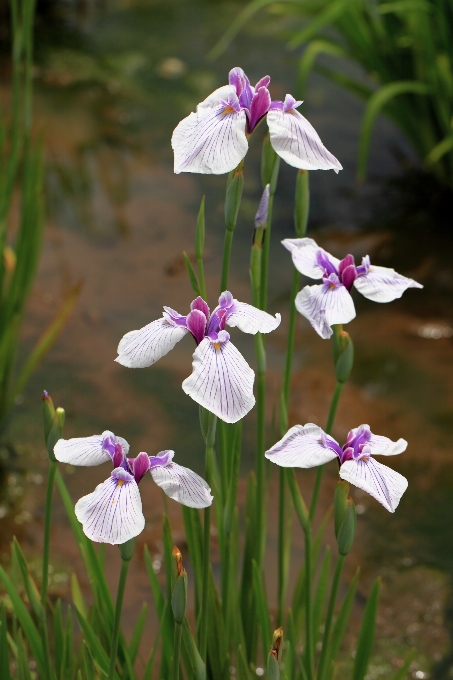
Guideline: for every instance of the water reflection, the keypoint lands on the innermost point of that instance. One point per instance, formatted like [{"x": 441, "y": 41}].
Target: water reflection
[{"x": 112, "y": 82}]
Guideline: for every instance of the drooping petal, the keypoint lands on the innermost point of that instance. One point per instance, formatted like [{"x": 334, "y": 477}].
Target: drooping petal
[
  {"x": 297, "y": 142},
  {"x": 86, "y": 451},
  {"x": 182, "y": 485},
  {"x": 325, "y": 305},
  {"x": 379, "y": 445},
  {"x": 249, "y": 319},
  {"x": 305, "y": 254},
  {"x": 380, "y": 481},
  {"x": 382, "y": 284},
  {"x": 221, "y": 381},
  {"x": 212, "y": 140},
  {"x": 144, "y": 347},
  {"x": 304, "y": 446},
  {"x": 113, "y": 512}
]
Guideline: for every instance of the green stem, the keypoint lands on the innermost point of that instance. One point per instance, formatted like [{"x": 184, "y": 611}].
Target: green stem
[
  {"x": 265, "y": 256},
  {"x": 177, "y": 650},
  {"x": 320, "y": 469},
  {"x": 210, "y": 440},
  {"x": 116, "y": 624},
  {"x": 235, "y": 184},
  {"x": 260, "y": 443},
  {"x": 47, "y": 519},
  {"x": 330, "y": 611},
  {"x": 309, "y": 648},
  {"x": 227, "y": 245}
]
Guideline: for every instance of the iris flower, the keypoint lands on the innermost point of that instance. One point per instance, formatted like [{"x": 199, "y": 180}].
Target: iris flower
[
  {"x": 214, "y": 140},
  {"x": 221, "y": 380},
  {"x": 113, "y": 512},
  {"x": 308, "y": 446},
  {"x": 331, "y": 302}
]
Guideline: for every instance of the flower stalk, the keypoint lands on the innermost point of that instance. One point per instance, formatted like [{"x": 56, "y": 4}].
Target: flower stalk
[
  {"x": 126, "y": 551},
  {"x": 235, "y": 185}
]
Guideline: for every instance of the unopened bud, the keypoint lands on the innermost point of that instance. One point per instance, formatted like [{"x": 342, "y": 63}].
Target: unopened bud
[
  {"x": 263, "y": 209},
  {"x": 48, "y": 412},
  {"x": 273, "y": 668},
  {"x": 53, "y": 420},
  {"x": 176, "y": 554},
  {"x": 179, "y": 598},
  {"x": 127, "y": 550},
  {"x": 61, "y": 415},
  {"x": 345, "y": 357},
  {"x": 340, "y": 503},
  {"x": 346, "y": 533}
]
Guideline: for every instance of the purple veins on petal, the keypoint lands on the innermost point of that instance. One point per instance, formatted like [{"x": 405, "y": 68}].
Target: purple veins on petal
[
  {"x": 142, "y": 348},
  {"x": 296, "y": 141},
  {"x": 381, "y": 284},
  {"x": 324, "y": 305},
  {"x": 112, "y": 513},
  {"x": 305, "y": 447},
  {"x": 263, "y": 209},
  {"x": 212, "y": 140},
  {"x": 221, "y": 381},
  {"x": 380, "y": 481},
  {"x": 86, "y": 451},
  {"x": 304, "y": 252},
  {"x": 182, "y": 485}
]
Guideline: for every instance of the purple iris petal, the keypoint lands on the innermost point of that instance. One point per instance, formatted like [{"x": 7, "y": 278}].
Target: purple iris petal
[
  {"x": 231, "y": 104},
  {"x": 330, "y": 443},
  {"x": 259, "y": 107},
  {"x": 109, "y": 445},
  {"x": 348, "y": 276},
  {"x": 172, "y": 315},
  {"x": 264, "y": 82},
  {"x": 200, "y": 304},
  {"x": 118, "y": 456},
  {"x": 196, "y": 323},
  {"x": 219, "y": 338},
  {"x": 364, "y": 267},
  {"x": 226, "y": 299},
  {"x": 163, "y": 458},
  {"x": 345, "y": 262},
  {"x": 276, "y": 106},
  {"x": 217, "y": 321},
  {"x": 324, "y": 261},
  {"x": 290, "y": 103},
  {"x": 139, "y": 465},
  {"x": 238, "y": 79}
]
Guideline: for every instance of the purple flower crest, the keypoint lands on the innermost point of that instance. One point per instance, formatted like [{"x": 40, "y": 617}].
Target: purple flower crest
[
  {"x": 214, "y": 140},
  {"x": 308, "y": 446},
  {"x": 112, "y": 513},
  {"x": 330, "y": 302},
  {"x": 221, "y": 380}
]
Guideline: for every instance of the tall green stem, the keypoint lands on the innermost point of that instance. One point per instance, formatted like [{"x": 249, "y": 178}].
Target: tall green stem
[
  {"x": 301, "y": 210},
  {"x": 330, "y": 611},
  {"x": 320, "y": 469},
  {"x": 209, "y": 435},
  {"x": 235, "y": 185},
  {"x": 177, "y": 650},
  {"x": 117, "y": 621},
  {"x": 47, "y": 520}
]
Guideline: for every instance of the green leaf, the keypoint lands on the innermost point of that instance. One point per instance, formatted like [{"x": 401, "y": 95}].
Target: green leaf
[
  {"x": 90, "y": 668},
  {"x": 402, "y": 672},
  {"x": 341, "y": 623},
  {"x": 324, "y": 17},
  {"x": 192, "y": 276},
  {"x": 262, "y": 606},
  {"x": 30, "y": 586},
  {"x": 95, "y": 647},
  {"x": 137, "y": 634},
  {"x": 306, "y": 62},
  {"x": 365, "y": 643},
  {"x": 4, "y": 654},
  {"x": 377, "y": 102},
  {"x": 199, "y": 247},
  {"x": 26, "y": 622},
  {"x": 77, "y": 596},
  {"x": 321, "y": 593},
  {"x": 59, "y": 639},
  {"x": 194, "y": 659}
]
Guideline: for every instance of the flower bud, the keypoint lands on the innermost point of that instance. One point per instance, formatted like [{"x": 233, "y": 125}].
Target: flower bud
[
  {"x": 263, "y": 209},
  {"x": 53, "y": 420},
  {"x": 340, "y": 504},
  {"x": 179, "y": 597},
  {"x": 176, "y": 554},
  {"x": 273, "y": 668},
  {"x": 127, "y": 550},
  {"x": 346, "y": 533},
  {"x": 345, "y": 357}
]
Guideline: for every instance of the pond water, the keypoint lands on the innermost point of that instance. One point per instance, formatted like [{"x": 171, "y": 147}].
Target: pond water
[{"x": 112, "y": 81}]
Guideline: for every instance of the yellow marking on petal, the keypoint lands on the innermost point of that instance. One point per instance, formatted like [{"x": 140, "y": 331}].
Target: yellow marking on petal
[
  {"x": 120, "y": 482},
  {"x": 227, "y": 110},
  {"x": 332, "y": 286},
  {"x": 217, "y": 346}
]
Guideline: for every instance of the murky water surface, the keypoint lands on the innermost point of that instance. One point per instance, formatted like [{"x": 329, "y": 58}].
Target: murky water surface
[{"x": 112, "y": 81}]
